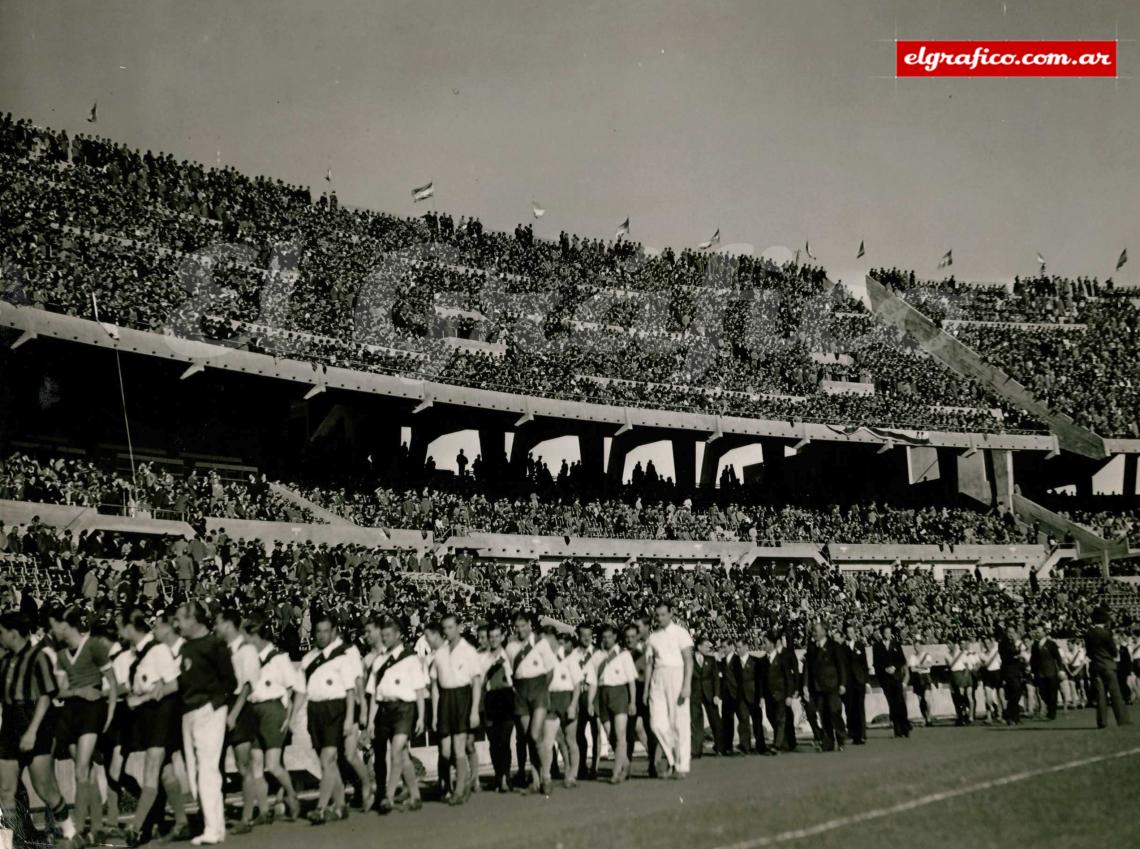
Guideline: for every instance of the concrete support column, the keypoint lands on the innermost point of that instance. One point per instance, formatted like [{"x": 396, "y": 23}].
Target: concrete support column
[
  {"x": 592, "y": 449},
  {"x": 774, "y": 465},
  {"x": 1000, "y": 464},
  {"x": 492, "y": 448},
  {"x": 948, "y": 472},
  {"x": 685, "y": 463},
  {"x": 1129, "y": 481}
]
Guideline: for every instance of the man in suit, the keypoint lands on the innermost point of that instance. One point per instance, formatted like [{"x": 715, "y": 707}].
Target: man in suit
[
  {"x": 826, "y": 677},
  {"x": 732, "y": 702},
  {"x": 1102, "y": 653},
  {"x": 1047, "y": 668},
  {"x": 1012, "y": 673},
  {"x": 703, "y": 702},
  {"x": 778, "y": 687},
  {"x": 751, "y": 695},
  {"x": 890, "y": 668},
  {"x": 855, "y": 655}
]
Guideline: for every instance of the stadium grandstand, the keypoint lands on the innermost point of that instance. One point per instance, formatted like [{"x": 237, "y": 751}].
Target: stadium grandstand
[{"x": 225, "y": 402}]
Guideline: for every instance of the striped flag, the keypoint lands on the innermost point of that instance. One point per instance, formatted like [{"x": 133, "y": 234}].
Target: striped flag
[
  {"x": 1123, "y": 259},
  {"x": 861, "y": 251},
  {"x": 807, "y": 250},
  {"x": 947, "y": 259},
  {"x": 711, "y": 243},
  {"x": 94, "y": 116},
  {"x": 328, "y": 176},
  {"x": 538, "y": 210},
  {"x": 623, "y": 230},
  {"x": 423, "y": 192},
  {"x": 1041, "y": 261}
]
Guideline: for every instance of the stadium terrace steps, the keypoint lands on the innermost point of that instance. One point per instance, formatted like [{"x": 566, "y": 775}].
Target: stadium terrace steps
[
  {"x": 33, "y": 323},
  {"x": 321, "y": 513},
  {"x": 893, "y": 310},
  {"x": 328, "y": 534},
  {"x": 1090, "y": 545},
  {"x": 77, "y": 518}
]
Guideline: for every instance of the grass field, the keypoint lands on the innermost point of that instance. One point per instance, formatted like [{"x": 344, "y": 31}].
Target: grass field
[{"x": 1050, "y": 785}]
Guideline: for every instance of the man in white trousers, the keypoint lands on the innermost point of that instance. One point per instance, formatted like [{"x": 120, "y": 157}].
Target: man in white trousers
[
  {"x": 205, "y": 682},
  {"x": 669, "y": 671}
]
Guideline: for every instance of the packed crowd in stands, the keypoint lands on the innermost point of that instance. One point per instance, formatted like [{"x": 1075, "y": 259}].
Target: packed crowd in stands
[
  {"x": 151, "y": 491},
  {"x": 1072, "y": 343},
  {"x": 294, "y": 581},
  {"x": 553, "y": 506},
  {"x": 210, "y": 253}
]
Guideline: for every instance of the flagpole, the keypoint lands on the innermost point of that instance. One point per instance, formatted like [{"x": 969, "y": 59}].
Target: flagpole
[{"x": 122, "y": 396}]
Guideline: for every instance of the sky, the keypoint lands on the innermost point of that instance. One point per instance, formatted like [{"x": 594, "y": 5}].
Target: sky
[{"x": 777, "y": 121}]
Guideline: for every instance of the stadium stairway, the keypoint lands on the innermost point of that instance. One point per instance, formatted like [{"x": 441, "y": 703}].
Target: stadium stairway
[
  {"x": 322, "y": 514},
  {"x": 1090, "y": 545},
  {"x": 892, "y": 310}
]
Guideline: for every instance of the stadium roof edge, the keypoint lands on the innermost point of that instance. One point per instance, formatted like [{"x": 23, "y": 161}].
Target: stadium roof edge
[{"x": 68, "y": 328}]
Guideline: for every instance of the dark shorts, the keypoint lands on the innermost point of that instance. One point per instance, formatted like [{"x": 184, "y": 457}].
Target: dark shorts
[
  {"x": 991, "y": 678},
  {"x": 394, "y": 718},
  {"x": 17, "y": 719},
  {"x": 613, "y": 701},
  {"x": 454, "y": 712},
  {"x": 530, "y": 695},
  {"x": 269, "y": 716},
  {"x": 560, "y": 701},
  {"x": 121, "y": 733},
  {"x": 245, "y": 727},
  {"x": 920, "y": 682},
  {"x": 156, "y": 726},
  {"x": 326, "y": 724},
  {"x": 79, "y": 717}
]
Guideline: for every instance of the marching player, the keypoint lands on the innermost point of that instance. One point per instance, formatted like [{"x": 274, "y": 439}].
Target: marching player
[
  {"x": 241, "y": 722},
  {"x": 396, "y": 686},
  {"x": 457, "y": 684},
  {"x": 532, "y": 665},
  {"x": 205, "y": 683},
  {"x": 272, "y": 699},
  {"x": 28, "y": 678},
  {"x": 562, "y": 718},
  {"x": 330, "y": 688},
  {"x": 588, "y": 657},
  {"x": 85, "y": 663},
  {"x": 617, "y": 698},
  {"x": 669, "y": 670},
  {"x": 500, "y": 706},
  {"x": 152, "y": 695}
]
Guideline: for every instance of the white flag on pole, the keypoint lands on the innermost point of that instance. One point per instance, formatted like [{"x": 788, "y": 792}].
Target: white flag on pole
[{"x": 711, "y": 243}]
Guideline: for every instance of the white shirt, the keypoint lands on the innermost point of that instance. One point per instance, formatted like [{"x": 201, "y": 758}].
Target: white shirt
[
  {"x": 276, "y": 677},
  {"x": 538, "y": 661},
  {"x": 157, "y": 667},
  {"x": 401, "y": 680},
  {"x": 121, "y": 666},
  {"x": 247, "y": 665},
  {"x": 588, "y": 660},
  {"x": 329, "y": 679},
  {"x": 568, "y": 674},
  {"x": 456, "y": 666},
  {"x": 618, "y": 668},
  {"x": 666, "y": 645}
]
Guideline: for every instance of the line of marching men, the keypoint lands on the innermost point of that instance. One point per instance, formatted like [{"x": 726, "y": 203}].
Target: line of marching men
[{"x": 178, "y": 689}]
